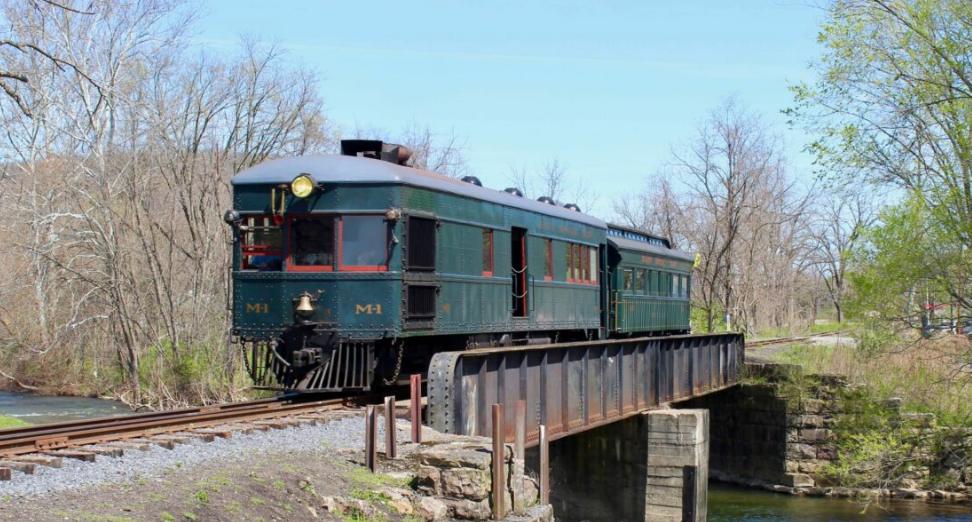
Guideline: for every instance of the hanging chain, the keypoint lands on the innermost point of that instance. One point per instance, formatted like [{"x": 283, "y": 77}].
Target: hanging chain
[{"x": 398, "y": 366}]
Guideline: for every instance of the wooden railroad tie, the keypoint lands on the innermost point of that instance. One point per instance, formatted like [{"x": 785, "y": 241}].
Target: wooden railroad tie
[
  {"x": 81, "y": 455},
  {"x": 223, "y": 433},
  {"x": 51, "y": 462},
  {"x": 108, "y": 451},
  {"x": 175, "y": 439},
  {"x": 205, "y": 437},
  {"x": 24, "y": 467},
  {"x": 165, "y": 443},
  {"x": 6, "y": 473},
  {"x": 131, "y": 444}
]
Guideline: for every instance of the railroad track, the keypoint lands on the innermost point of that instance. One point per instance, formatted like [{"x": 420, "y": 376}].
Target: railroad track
[
  {"x": 24, "y": 449},
  {"x": 787, "y": 340}
]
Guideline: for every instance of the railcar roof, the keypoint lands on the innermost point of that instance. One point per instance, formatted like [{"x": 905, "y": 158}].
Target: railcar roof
[
  {"x": 349, "y": 169},
  {"x": 641, "y": 246}
]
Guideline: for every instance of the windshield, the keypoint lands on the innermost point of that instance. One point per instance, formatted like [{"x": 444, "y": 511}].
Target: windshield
[
  {"x": 364, "y": 242},
  {"x": 312, "y": 242}
]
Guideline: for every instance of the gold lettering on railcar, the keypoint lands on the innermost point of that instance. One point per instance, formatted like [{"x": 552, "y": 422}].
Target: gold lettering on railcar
[
  {"x": 257, "y": 308},
  {"x": 368, "y": 309}
]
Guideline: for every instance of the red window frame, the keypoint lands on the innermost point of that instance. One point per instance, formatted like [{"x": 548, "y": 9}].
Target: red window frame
[
  {"x": 579, "y": 267},
  {"x": 548, "y": 261},
  {"x": 488, "y": 264},
  {"x": 340, "y": 248},
  {"x": 291, "y": 265}
]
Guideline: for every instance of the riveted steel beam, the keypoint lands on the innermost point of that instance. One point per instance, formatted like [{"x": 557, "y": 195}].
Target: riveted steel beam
[{"x": 573, "y": 387}]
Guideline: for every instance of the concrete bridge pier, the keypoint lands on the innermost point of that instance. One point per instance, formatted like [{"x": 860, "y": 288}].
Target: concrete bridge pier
[{"x": 651, "y": 467}]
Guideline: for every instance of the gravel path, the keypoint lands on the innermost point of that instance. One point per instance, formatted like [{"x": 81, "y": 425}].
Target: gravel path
[
  {"x": 347, "y": 433},
  {"x": 762, "y": 354}
]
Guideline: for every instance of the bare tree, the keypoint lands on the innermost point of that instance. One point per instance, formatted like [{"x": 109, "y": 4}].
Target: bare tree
[
  {"x": 727, "y": 197},
  {"x": 553, "y": 181},
  {"x": 836, "y": 232},
  {"x": 436, "y": 152},
  {"x": 115, "y": 196},
  {"x": 657, "y": 209}
]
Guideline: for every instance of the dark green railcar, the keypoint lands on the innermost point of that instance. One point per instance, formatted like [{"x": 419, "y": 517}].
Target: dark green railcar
[
  {"x": 350, "y": 272},
  {"x": 649, "y": 284}
]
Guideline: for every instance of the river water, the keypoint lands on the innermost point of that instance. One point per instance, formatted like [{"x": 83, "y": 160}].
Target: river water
[
  {"x": 44, "y": 409},
  {"x": 734, "y": 504}
]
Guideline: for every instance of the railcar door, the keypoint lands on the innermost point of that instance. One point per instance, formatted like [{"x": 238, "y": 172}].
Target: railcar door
[
  {"x": 518, "y": 256},
  {"x": 420, "y": 285}
]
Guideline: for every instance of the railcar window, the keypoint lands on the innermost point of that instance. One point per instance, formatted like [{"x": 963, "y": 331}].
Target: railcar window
[
  {"x": 593, "y": 265},
  {"x": 261, "y": 244},
  {"x": 364, "y": 242},
  {"x": 639, "y": 284},
  {"x": 487, "y": 253},
  {"x": 548, "y": 260},
  {"x": 577, "y": 262},
  {"x": 628, "y": 279},
  {"x": 652, "y": 282},
  {"x": 570, "y": 262},
  {"x": 585, "y": 267},
  {"x": 312, "y": 242}
]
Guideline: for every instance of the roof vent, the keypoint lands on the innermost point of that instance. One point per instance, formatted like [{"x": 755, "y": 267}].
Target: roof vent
[
  {"x": 547, "y": 199},
  {"x": 472, "y": 179},
  {"x": 571, "y": 206},
  {"x": 515, "y": 191},
  {"x": 376, "y": 149}
]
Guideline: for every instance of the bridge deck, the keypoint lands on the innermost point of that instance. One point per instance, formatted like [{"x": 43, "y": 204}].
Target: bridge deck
[{"x": 574, "y": 387}]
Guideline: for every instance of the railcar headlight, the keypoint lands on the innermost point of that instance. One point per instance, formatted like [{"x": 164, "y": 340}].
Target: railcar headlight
[
  {"x": 302, "y": 186},
  {"x": 231, "y": 217}
]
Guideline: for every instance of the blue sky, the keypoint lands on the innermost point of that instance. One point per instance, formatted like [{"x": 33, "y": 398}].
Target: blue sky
[{"x": 605, "y": 87}]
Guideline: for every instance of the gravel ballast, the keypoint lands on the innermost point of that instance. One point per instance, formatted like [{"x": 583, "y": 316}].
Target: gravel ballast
[{"x": 346, "y": 433}]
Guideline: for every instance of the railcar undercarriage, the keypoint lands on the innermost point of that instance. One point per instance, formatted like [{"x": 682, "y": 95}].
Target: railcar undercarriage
[{"x": 308, "y": 361}]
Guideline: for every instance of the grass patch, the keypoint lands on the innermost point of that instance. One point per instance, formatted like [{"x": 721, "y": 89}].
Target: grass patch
[
  {"x": 369, "y": 496},
  {"x": 927, "y": 374},
  {"x": 11, "y": 422},
  {"x": 364, "y": 477},
  {"x": 202, "y": 496}
]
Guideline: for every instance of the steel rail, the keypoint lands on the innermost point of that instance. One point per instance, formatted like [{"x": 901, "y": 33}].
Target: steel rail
[
  {"x": 787, "y": 340},
  {"x": 52, "y": 428},
  {"x": 23, "y": 441}
]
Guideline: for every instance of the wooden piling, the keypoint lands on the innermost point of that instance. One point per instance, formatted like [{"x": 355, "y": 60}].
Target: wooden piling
[
  {"x": 391, "y": 442},
  {"x": 416, "y": 408},
  {"x": 519, "y": 457},
  {"x": 499, "y": 463},
  {"x": 371, "y": 434},
  {"x": 544, "y": 467}
]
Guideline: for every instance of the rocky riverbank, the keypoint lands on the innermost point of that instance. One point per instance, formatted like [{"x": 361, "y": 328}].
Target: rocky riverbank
[{"x": 818, "y": 435}]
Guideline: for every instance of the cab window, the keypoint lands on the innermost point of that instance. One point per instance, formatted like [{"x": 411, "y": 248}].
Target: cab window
[
  {"x": 311, "y": 243},
  {"x": 364, "y": 243},
  {"x": 261, "y": 244}
]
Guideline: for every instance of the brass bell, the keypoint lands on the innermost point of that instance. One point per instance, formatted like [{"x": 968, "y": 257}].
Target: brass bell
[{"x": 305, "y": 307}]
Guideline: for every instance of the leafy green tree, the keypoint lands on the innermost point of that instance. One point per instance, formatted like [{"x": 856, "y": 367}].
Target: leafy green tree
[
  {"x": 904, "y": 263},
  {"x": 893, "y": 104}
]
